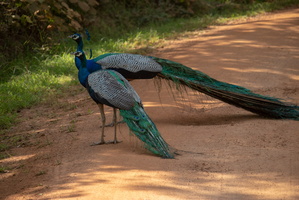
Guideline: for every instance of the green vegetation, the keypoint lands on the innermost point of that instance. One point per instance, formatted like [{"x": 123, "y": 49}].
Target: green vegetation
[
  {"x": 39, "y": 71},
  {"x": 4, "y": 169}
]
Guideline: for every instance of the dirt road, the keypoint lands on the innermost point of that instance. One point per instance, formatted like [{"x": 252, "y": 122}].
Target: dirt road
[{"x": 227, "y": 153}]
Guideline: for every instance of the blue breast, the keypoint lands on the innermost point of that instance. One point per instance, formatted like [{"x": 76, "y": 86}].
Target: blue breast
[
  {"x": 82, "y": 76},
  {"x": 84, "y": 72}
]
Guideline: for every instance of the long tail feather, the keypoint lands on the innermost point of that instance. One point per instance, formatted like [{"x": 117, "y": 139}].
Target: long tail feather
[
  {"x": 231, "y": 94},
  {"x": 143, "y": 127}
]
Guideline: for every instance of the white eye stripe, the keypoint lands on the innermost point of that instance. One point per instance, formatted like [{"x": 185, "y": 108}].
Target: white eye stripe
[
  {"x": 78, "y": 54},
  {"x": 75, "y": 37}
]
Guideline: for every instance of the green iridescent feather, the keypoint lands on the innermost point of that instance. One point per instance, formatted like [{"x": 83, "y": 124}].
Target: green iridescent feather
[
  {"x": 143, "y": 127},
  {"x": 229, "y": 93}
]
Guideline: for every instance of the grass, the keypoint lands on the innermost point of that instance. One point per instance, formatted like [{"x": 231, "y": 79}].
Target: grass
[
  {"x": 34, "y": 85},
  {"x": 40, "y": 173},
  {"x": 4, "y": 169},
  {"x": 3, "y": 147},
  {"x": 39, "y": 75}
]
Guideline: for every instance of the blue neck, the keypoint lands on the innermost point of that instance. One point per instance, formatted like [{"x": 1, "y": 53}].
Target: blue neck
[
  {"x": 78, "y": 63},
  {"x": 83, "y": 72},
  {"x": 79, "y": 48},
  {"x": 80, "y": 45}
]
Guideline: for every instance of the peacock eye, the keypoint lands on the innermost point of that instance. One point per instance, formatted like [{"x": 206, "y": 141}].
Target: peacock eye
[
  {"x": 78, "y": 54},
  {"x": 75, "y": 37}
]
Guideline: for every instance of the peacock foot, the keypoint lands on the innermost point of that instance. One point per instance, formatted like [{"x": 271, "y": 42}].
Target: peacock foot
[
  {"x": 98, "y": 143},
  {"x": 113, "y": 142},
  {"x": 103, "y": 142}
]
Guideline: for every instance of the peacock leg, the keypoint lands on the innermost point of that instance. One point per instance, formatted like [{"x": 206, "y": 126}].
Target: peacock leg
[
  {"x": 115, "y": 125},
  {"x": 103, "y": 117},
  {"x": 115, "y": 141}
]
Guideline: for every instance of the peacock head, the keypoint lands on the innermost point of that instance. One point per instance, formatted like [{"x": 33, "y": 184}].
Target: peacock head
[
  {"x": 80, "y": 59},
  {"x": 79, "y": 54},
  {"x": 77, "y": 37}
]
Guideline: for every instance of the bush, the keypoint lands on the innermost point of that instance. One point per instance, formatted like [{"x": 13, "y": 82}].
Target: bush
[{"x": 26, "y": 24}]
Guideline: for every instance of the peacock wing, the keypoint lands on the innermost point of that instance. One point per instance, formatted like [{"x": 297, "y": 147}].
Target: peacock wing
[
  {"x": 111, "y": 88},
  {"x": 130, "y": 62}
]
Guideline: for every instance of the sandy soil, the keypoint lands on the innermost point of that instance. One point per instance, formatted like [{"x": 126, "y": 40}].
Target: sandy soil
[{"x": 227, "y": 153}]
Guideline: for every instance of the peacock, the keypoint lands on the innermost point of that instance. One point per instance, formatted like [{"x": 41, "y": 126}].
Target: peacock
[
  {"x": 109, "y": 87},
  {"x": 78, "y": 38},
  {"x": 134, "y": 66}
]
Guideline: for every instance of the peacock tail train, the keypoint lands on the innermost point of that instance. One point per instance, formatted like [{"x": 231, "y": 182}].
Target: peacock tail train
[
  {"x": 143, "y": 127},
  {"x": 229, "y": 93}
]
